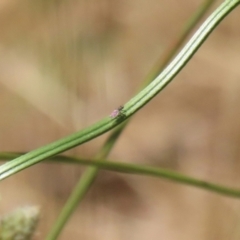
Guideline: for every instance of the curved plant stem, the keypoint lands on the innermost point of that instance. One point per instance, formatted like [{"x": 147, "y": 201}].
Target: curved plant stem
[
  {"x": 174, "y": 47},
  {"x": 89, "y": 176},
  {"x": 132, "y": 106},
  {"x": 106, "y": 124}
]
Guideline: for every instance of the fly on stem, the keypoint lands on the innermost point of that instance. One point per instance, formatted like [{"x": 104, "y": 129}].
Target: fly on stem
[{"x": 117, "y": 112}]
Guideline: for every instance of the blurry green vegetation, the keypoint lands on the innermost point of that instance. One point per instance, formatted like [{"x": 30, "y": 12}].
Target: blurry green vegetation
[{"x": 55, "y": 31}]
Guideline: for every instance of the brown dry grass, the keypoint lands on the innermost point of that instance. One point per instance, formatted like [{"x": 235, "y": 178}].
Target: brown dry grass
[{"x": 67, "y": 64}]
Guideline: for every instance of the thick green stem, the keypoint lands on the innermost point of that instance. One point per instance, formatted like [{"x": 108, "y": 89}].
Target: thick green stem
[{"x": 132, "y": 106}]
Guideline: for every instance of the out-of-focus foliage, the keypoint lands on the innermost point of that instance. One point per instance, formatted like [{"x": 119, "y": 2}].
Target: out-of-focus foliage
[
  {"x": 66, "y": 64},
  {"x": 20, "y": 224}
]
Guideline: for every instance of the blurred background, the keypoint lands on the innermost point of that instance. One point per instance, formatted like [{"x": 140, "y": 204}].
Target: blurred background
[{"x": 66, "y": 64}]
